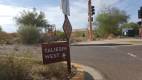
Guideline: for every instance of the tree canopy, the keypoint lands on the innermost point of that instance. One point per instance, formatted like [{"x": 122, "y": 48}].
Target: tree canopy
[
  {"x": 30, "y": 25},
  {"x": 32, "y": 18},
  {"x": 131, "y": 25},
  {"x": 108, "y": 21},
  {"x": 0, "y": 29}
]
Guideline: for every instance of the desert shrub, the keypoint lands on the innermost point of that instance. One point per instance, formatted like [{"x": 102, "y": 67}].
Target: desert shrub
[
  {"x": 29, "y": 34},
  {"x": 15, "y": 38},
  {"x": 9, "y": 38},
  {"x": 78, "y": 36},
  {"x": 42, "y": 72},
  {"x": 60, "y": 35},
  {"x": 5, "y": 38},
  {"x": 13, "y": 67},
  {"x": 0, "y": 29}
]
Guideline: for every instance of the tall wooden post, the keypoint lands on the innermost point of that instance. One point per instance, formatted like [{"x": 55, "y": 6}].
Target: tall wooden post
[{"x": 90, "y": 32}]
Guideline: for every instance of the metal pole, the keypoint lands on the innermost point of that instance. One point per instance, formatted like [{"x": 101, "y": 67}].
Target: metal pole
[
  {"x": 69, "y": 61},
  {"x": 68, "y": 58}
]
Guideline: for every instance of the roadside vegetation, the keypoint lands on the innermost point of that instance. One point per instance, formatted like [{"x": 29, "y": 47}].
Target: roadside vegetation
[
  {"x": 30, "y": 26},
  {"x": 14, "y": 67},
  {"x": 110, "y": 22},
  {"x": 33, "y": 28},
  {"x": 29, "y": 34},
  {"x": 0, "y": 29},
  {"x": 78, "y": 36},
  {"x": 5, "y": 38},
  {"x": 14, "y": 62},
  {"x": 131, "y": 25},
  {"x": 60, "y": 35}
]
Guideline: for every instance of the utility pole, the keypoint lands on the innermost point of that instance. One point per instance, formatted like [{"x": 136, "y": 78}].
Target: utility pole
[
  {"x": 91, "y": 12},
  {"x": 140, "y": 17}
]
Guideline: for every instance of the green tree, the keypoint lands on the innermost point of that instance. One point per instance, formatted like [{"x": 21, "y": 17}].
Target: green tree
[
  {"x": 0, "y": 29},
  {"x": 32, "y": 18},
  {"x": 29, "y": 34},
  {"x": 108, "y": 22},
  {"x": 131, "y": 25},
  {"x": 31, "y": 24}
]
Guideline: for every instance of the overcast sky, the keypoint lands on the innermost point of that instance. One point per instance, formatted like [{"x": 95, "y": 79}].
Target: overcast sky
[{"x": 11, "y": 8}]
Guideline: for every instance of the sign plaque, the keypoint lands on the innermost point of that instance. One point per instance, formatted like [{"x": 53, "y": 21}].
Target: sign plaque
[
  {"x": 67, "y": 27},
  {"x": 55, "y": 52}
]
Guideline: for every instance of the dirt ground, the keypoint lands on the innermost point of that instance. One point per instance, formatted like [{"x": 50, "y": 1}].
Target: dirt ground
[{"x": 21, "y": 49}]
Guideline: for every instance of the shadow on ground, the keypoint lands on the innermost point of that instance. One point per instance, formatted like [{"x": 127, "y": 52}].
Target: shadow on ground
[
  {"x": 88, "y": 76},
  {"x": 107, "y": 44}
]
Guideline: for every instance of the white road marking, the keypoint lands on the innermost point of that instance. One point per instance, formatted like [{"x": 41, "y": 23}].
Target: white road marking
[
  {"x": 132, "y": 55},
  {"x": 135, "y": 56}
]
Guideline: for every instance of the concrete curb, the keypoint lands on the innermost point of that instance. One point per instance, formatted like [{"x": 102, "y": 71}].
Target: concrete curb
[
  {"x": 113, "y": 41},
  {"x": 93, "y": 72}
]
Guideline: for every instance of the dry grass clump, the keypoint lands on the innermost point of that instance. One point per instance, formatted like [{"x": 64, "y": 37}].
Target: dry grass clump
[{"x": 22, "y": 68}]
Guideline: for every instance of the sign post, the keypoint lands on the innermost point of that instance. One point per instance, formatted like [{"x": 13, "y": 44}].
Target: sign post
[
  {"x": 60, "y": 51},
  {"x": 67, "y": 30},
  {"x": 67, "y": 27}
]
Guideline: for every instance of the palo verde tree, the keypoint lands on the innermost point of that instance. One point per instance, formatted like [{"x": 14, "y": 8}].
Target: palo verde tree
[
  {"x": 108, "y": 22},
  {"x": 32, "y": 18},
  {"x": 30, "y": 24}
]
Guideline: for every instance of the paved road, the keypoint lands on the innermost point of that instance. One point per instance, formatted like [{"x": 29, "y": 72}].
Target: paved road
[{"x": 114, "y": 62}]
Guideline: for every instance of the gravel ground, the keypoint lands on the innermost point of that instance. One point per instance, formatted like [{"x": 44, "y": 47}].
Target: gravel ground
[{"x": 21, "y": 49}]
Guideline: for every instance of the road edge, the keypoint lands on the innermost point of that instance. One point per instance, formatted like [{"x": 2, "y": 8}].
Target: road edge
[{"x": 92, "y": 71}]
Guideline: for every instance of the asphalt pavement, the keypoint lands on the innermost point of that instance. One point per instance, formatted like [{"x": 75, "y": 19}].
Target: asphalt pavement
[{"x": 115, "y": 62}]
